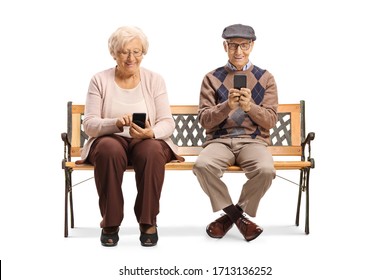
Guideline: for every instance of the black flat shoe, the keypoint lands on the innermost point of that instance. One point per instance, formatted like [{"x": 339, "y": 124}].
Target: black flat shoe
[
  {"x": 109, "y": 239},
  {"x": 148, "y": 239}
]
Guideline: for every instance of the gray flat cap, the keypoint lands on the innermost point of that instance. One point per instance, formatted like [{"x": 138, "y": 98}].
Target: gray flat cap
[{"x": 239, "y": 31}]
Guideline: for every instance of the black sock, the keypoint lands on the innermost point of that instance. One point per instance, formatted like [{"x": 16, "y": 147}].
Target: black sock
[
  {"x": 239, "y": 208},
  {"x": 233, "y": 212}
]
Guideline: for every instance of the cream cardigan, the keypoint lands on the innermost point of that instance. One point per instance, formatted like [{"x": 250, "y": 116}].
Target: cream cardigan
[{"x": 98, "y": 104}]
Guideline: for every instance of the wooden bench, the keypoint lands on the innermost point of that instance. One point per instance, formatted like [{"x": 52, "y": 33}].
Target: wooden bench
[{"x": 288, "y": 137}]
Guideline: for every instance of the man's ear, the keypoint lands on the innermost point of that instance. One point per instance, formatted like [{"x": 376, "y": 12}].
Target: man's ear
[{"x": 225, "y": 46}]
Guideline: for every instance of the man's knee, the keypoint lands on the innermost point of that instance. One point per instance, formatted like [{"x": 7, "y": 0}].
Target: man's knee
[
  {"x": 265, "y": 171},
  {"x": 199, "y": 166}
]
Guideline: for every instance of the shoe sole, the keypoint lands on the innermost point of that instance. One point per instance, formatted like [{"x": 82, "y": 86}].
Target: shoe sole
[
  {"x": 253, "y": 238},
  {"x": 213, "y": 236},
  {"x": 217, "y": 237},
  {"x": 148, "y": 245},
  {"x": 109, "y": 244}
]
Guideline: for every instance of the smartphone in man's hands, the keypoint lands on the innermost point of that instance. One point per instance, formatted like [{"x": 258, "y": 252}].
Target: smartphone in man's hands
[
  {"x": 139, "y": 119},
  {"x": 239, "y": 81}
]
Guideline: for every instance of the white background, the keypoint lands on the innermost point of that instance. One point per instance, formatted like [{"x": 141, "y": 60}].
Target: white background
[{"x": 332, "y": 54}]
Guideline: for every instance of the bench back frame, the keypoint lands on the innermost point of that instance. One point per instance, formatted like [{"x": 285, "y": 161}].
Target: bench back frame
[{"x": 286, "y": 136}]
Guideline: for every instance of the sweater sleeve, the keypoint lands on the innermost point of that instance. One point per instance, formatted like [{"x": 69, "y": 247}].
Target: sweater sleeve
[
  {"x": 265, "y": 114},
  {"x": 160, "y": 115},
  {"x": 94, "y": 123},
  {"x": 210, "y": 113}
]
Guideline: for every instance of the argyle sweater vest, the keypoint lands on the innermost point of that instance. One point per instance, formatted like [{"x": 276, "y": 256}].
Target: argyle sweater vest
[{"x": 215, "y": 90}]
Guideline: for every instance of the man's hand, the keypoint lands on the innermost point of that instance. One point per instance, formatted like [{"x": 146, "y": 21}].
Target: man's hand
[
  {"x": 234, "y": 98},
  {"x": 245, "y": 99},
  {"x": 240, "y": 98}
]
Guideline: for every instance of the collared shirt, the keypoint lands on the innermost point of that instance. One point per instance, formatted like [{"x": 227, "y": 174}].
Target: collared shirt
[{"x": 232, "y": 67}]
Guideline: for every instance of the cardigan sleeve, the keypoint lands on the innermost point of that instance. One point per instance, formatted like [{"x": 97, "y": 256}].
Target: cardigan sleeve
[
  {"x": 94, "y": 123},
  {"x": 163, "y": 124}
]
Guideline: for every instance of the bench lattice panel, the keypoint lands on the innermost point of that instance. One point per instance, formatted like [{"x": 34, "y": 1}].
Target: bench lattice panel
[
  {"x": 188, "y": 131},
  {"x": 281, "y": 133}
]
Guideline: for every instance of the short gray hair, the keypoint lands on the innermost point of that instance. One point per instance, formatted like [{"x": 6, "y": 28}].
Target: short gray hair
[{"x": 125, "y": 34}]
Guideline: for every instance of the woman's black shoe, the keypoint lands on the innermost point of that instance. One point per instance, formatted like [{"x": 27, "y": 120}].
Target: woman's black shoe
[
  {"x": 148, "y": 239},
  {"x": 109, "y": 239}
]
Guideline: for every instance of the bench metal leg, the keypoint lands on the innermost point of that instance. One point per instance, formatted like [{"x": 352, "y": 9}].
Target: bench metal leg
[
  {"x": 303, "y": 187},
  {"x": 299, "y": 199},
  {"x": 307, "y": 202},
  {"x": 70, "y": 190},
  {"x": 68, "y": 201}
]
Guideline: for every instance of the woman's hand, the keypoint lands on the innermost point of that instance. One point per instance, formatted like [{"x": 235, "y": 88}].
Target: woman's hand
[
  {"x": 125, "y": 120},
  {"x": 141, "y": 133}
]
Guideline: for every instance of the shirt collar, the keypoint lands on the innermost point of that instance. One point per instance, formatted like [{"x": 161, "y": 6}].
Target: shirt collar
[{"x": 232, "y": 67}]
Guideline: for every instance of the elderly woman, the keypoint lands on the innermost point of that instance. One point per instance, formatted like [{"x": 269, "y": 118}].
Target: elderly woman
[{"x": 116, "y": 141}]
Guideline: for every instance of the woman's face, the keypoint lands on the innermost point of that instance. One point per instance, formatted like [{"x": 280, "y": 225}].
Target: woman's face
[{"x": 129, "y": 58}]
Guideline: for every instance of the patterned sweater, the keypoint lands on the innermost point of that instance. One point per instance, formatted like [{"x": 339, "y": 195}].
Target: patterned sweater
[{"x": 220, "y": 121}]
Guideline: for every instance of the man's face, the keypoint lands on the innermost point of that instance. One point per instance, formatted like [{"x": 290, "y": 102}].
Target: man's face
[{"x": 238, "y": 50}]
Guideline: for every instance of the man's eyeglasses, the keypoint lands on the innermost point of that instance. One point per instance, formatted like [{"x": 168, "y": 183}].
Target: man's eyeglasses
[
  {"x": 234, "y": 46},
  {"x": 135, "y": 52}
]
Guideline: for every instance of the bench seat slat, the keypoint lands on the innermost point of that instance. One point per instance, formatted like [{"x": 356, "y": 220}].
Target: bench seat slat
[
  {"x": 279, "y": 165},
  {"x": 194, "y": 151}
]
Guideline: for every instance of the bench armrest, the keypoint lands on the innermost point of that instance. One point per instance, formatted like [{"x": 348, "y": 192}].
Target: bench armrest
[{"x": 306, "y": 144}]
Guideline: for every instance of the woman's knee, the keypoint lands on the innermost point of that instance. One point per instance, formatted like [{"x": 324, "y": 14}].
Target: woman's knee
[
  {"x": 108, "y": 148},
  {"x": 150, "y": 150}
]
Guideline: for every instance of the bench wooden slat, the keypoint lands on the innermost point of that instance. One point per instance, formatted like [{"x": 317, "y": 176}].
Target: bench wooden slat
[
  {"x": 188, "y": 165},
  {"x": 285, "y": 150},
  {"x": 76, "y": 128},
  {"x": 194, "y": 151},
  {"x": 78, "y": 109},
  {"x": 184, "y": 109}
]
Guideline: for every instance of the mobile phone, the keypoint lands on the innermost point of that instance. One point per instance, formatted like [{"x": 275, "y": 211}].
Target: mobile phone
[
  {"x": 239, "y": 81},
  {"x": 139, "y": 119}
]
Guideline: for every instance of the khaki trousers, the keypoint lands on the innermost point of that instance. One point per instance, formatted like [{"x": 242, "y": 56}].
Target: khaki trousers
[{"x": 255, "y": 160}]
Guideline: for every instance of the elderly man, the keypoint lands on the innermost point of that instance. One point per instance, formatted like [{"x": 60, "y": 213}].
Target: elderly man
[{"x": 237, "y": 114}]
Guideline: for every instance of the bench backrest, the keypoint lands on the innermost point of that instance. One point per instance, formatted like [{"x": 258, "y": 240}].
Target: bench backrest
[{"x": 286, "y": 136}]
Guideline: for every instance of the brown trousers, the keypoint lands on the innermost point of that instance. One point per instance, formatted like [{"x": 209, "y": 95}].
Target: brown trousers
[{"x": 111, "y": 155}]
